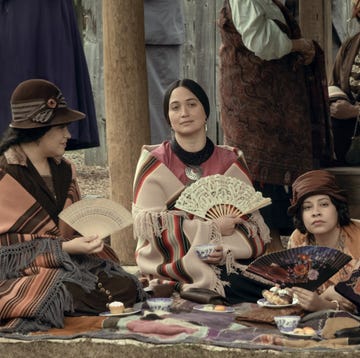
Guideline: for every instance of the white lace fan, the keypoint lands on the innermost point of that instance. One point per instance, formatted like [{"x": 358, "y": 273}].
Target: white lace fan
[
  {"x": 98, "y": 216},
  {"x": 218, "y": 195}
]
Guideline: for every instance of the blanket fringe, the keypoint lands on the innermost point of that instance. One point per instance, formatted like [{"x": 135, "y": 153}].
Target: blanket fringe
[{"x": 148, "y": 224}]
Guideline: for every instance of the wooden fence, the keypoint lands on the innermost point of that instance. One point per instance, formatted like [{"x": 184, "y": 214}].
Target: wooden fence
[{"x": 199, "y": 59}]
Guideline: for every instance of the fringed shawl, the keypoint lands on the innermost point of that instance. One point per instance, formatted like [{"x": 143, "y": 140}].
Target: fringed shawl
[
  {"x": 33, "y": 266},
  {"x": 166, "y": 237}
]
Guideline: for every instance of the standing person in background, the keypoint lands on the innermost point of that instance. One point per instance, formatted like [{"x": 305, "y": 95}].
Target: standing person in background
[
  {"x": 344, "y": 92},
  {"x": 274, "y": 103},
  {"x": 41, "y": 39},
  {"x": 164, "y": 35}
]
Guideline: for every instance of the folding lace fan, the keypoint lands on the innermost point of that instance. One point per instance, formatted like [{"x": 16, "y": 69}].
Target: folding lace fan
[
  {"x": 218, "y": 195},
  {"x": 306, "y": 266},
  {"x": 98, "y": 216}
]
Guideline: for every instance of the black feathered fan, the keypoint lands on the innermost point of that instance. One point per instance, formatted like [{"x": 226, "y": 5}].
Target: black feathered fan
[{"x": 306, "y": 266}]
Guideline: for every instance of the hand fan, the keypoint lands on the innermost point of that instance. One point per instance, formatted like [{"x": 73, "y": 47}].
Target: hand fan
[
  {"x": 98, "y": 216},
  {"x": 218, "y": 195},
  {"x": 305, "y": 266}
]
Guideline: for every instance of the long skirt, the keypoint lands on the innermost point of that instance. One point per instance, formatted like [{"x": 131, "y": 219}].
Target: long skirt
[{"x": 41, "y": 39}]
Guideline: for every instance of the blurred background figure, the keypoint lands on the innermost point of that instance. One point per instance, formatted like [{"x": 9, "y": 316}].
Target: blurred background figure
[
  {"x": 41, "y": 39},
  {"x": 164, "y": 35},
  {"x": 274, "y": 103},
  {"x": 344, "y": 91}
]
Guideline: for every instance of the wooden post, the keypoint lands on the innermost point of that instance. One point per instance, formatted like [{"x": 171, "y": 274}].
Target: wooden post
[
  {"x": 200, "y": 54},
  {"x": 126, "y": 104},
  {"x": 315, "y": 23}
]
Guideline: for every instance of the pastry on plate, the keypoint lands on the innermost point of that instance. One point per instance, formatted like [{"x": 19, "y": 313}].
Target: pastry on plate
[
  {"x": 116, "y": 307},
  {"x": 277, "y": 296},
  {"x": 306, "y": 331}
]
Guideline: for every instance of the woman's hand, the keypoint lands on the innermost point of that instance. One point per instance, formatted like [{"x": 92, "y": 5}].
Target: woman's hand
[
  {"x": 216, "y": 256},
  {"x": 83, "y": 245},
  {"x": 311, "y": 301},
  {"x": 330, "y": 294},
  {"x": 343, "y": 109},
  {"x": 306, "y": 48},
  {"x": 226, "y": 224}
]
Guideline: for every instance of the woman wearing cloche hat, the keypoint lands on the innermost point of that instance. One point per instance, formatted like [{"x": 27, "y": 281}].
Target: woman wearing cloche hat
[
  {"x": 321, "y": 217},
  {"x": 46, "y": 269}
]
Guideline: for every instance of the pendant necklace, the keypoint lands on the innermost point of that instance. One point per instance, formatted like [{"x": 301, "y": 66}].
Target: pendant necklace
[
  {"x": 193, "y": 160},
  {"x": 193, "y": 172}
]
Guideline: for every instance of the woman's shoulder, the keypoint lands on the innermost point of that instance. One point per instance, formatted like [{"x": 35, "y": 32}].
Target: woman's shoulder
[
  {"x": 297, "y": 239},
  {"x": 353, "y": 228},
  {"x": 349, "y": 43},
  {"x": 159, "y": 151},
  {"x": 232, "y": 151}
]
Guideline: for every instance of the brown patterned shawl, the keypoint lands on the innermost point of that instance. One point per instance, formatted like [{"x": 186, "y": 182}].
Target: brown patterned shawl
[
  {"x": 275, "y": 111},
  {"x": 167, "y": 237},
  {"x": 33, "y": 267}
]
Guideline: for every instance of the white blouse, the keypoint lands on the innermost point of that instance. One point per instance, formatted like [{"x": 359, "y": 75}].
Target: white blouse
[{"x": 253, "y": 19}]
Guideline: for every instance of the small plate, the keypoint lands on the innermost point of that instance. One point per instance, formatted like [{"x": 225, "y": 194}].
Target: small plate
[
  {"x": 298, "y": 335},
  {"x": 210, "y": 308},
  {"x": 109, "y": 314},
  {"x": 263, "y": 303}
]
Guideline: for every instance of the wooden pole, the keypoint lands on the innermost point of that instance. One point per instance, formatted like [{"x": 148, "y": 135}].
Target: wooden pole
[
  {"x": 126, "y": 105},
  {"x": 315, "y": 23}
]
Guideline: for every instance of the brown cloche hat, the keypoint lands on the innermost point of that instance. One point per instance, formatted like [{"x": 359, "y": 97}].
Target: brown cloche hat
[
  {"x": 312, "y": 183},
  {"x": 39, "y": 103}
]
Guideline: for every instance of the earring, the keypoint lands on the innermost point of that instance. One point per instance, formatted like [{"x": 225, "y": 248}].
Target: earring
[{"x": 205, "y": 126}]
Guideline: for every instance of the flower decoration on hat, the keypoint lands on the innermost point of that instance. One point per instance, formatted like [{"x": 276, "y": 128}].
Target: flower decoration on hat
[
  {"x": 38, "y": 110},
  {"x": 52, "y": 103}
]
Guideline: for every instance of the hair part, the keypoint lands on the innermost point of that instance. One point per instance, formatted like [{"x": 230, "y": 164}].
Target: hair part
[
  {"x": 193, "y": 87},
  {"x": 342, "y": 209}
]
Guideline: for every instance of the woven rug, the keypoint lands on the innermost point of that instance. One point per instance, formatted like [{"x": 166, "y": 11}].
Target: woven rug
[{"x": 185, "y": 325}]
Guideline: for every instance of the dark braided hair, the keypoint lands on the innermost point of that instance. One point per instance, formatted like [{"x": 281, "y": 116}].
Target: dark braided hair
[{"x": 15, "y": 136}]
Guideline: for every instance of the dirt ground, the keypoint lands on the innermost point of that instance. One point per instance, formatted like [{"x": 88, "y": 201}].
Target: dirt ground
[{"x": 93, "y": 180}]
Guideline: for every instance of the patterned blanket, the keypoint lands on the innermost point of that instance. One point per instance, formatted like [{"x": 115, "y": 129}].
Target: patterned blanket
[{"x": 187, "y": 325}]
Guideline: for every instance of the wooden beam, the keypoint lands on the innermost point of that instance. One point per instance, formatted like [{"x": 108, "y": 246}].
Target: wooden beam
[
  {"x": 126, "y": 98},
  {"x": 315, "y": 23}
]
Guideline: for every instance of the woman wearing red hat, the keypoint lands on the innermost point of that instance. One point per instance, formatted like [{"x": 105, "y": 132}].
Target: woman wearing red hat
[
  {"x": 321, "y": 217},
  {"x": 46, "y": 269}
]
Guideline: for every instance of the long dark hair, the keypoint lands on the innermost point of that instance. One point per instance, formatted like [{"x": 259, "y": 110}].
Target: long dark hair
[
  {"x": 342, "y": 209},
  {"x": 193, "y": 87},
  {"x": 15, "y": 136}
]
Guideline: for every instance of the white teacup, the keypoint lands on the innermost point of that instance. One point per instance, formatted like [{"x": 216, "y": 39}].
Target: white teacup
[
  {"x": 203, "y": 251},
  {"x": 287, "y": 323},
  {"x": 159, "y": 303}
]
